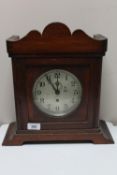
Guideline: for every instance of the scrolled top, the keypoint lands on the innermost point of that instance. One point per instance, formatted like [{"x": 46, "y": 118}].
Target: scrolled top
[
  {"x": 56, "y": 38},
  {"x": 56, "y": 30}
]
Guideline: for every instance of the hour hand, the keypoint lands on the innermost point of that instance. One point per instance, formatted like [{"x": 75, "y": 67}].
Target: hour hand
[{"x": 50, "y": 82}]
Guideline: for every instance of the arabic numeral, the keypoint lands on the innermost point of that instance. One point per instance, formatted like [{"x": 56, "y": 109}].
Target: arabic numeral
[
  {"x": 41, "y": 100},
  {"x": 42, "y": 84},
  {"x": 48, "y": 77},
  {"x": 57, "y": 75}
]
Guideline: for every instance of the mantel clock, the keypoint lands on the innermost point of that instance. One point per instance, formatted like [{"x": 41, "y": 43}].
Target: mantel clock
[{"x": 57, "y": 78}]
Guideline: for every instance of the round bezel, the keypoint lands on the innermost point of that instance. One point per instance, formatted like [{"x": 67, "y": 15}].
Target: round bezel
[{"x": 53, "y": 113}]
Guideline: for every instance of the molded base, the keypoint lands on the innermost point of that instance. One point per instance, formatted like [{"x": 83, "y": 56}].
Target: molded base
[{"x": 99, "y": 135}]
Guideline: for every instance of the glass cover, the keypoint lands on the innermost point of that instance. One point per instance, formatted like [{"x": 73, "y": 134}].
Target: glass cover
[{"x": 57, "y": 92}]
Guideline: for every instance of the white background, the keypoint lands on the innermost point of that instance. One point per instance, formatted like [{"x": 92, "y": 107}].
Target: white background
[{"x": 93, "y": 16}]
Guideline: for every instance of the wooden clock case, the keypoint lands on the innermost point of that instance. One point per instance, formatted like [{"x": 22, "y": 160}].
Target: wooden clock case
[{"x": 55, "y": 48}]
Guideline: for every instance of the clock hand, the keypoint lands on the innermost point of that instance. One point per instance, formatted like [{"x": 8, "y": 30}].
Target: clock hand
[
  {"x": 57, "y": 84},
  {"x": 50, "y": 82}
]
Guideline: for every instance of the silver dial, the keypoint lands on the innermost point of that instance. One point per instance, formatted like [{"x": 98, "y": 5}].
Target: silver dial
[{"x": 57, "y": 92}]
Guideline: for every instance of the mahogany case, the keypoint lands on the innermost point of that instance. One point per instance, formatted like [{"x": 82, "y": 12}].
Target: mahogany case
[{"x": 58, "y": 48}]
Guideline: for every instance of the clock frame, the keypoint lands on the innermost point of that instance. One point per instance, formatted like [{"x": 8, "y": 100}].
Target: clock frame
[
  {"x": 57, "y": 93},
  {"x": 57, "y": 48}
]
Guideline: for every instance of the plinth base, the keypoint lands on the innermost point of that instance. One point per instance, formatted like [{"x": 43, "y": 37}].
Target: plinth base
[{"x": 100, "y": 135}]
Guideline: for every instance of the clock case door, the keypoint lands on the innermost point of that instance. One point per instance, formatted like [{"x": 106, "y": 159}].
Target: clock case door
[
  {"x": 26, "y": 71},
  {"x": 57, "y": 48}
]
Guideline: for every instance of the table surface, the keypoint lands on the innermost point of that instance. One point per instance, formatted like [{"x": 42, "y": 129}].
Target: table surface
[{"x": 59, "y": 159}]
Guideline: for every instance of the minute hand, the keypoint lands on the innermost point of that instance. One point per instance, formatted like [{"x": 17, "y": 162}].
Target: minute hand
[{"x": 57, "y": 84}]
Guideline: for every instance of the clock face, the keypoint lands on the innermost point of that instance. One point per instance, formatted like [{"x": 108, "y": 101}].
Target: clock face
[{"x": 57, "y": 93}]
